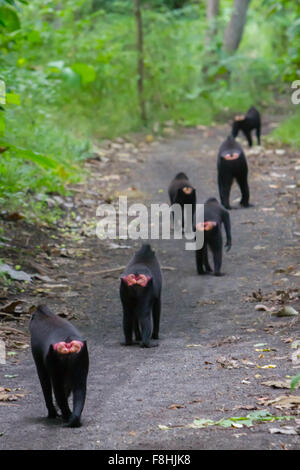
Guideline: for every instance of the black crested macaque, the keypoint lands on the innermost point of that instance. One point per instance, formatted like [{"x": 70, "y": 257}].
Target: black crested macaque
[
  {"x": 232, "y": 164},
  {"x": 140, "y": 292},
  {"x": 246, "y": 123},
  {"x": 62, "y": 362},
  {"x": 214, "y": 216},
  {"x": 182, "y": 192}
]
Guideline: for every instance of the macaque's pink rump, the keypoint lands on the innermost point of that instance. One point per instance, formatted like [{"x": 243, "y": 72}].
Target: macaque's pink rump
[
  {"x": 239, "y": 117},
  {"x": 206, "y": 226},
  {"x": 140, "y": 279},
  {"x": 234, "y": 156},
  {"x": 68, "y": 348},
  {"x": 187, "y": 190}
]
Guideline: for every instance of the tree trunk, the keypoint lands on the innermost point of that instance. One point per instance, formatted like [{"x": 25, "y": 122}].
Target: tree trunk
[
  {"x": 212, "y": 13},
  {"x": 140, "y": 82},
  {"x": 212, "y": 9},
  {"x": 234, "y": 31}
]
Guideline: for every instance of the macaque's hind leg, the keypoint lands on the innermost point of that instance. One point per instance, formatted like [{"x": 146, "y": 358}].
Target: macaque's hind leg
[
  {"x": 200, "y": 260},
  {"x": 79, "y": 393},
  {"x": 127, "y": 327},
  {"x": 258, "y": 134},
  {"x": 243, "y": 184},
  {"x": 146, "y": 328},
  {"x": 156, "y": 318},
  {"x": 47, "y": 389},
  {"x": 216, "y": 247},
  {"x": 61, "y": 397},
  {"x": 206, "y": 262},
  {"x": 217, "y": 263},
  {"x": 224, "y": 184},
  {"x": 138, "y": 336},
  {"x": 248, "y": 137}
]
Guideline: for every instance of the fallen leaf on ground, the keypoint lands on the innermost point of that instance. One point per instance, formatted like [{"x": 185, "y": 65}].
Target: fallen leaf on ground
[
  {"x": 116, "y": 246},
  {"x": 201, "y": 423},
  {"x": 267, "y": 366},
  {"x": 245, "y": 407},
  {"x": 228, "y": 363},
  {"x": 20, "y": 345},
  {"x": 296, "y": 357},
  {"x": 13, "y": 310},
  {"x": 265, "y": 350},
  {"x": 13, "y": 307},
  {"x": 43, "y": 278},
  {"x": 291, "y": 401},
  {"x": 7, "y": 395},
  {"x": 238, "y": 421},
  {"x": 175, "y": 406},
  {"x": 227, "y": 340},
  {"x": 207, "y": 302},
  {"x": 286, "y": 311},
  {"x": 248, "y": 363},
  {"x": 284, "y": 430},
  {"x": 277, "y": 383},
  {"x": 261, "y": 307},
  {"x": 171, "y": 426},
  {"x": 55, "y": 286}
]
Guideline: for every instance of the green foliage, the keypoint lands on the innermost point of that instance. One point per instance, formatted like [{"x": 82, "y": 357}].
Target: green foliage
[
  {"x": 127, "y": 5},
  {"x": 295, "y": 381},
  {"x": 288, "y": 131},
  {"x": 255, "y": 417},
  {"x": 259, "y": 416},
  {"x": 284, "y": 16},
  {"x": 70, "y": 70},
  {"x": 9, "y": 18}
]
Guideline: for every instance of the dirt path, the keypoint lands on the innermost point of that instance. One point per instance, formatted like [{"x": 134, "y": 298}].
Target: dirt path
[{"x": 210, "y": 362}]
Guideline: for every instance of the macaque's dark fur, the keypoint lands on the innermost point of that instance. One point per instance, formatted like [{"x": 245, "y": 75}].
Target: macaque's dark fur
[
  {"x": 64, "y": 373},
  {"x": 213, "y": 211},
  {"x": 177, "y": 196},
  {"x": 228, "y": 170},
  {"x": 138, "y": 302},
  {"x": 251, "y": 121}
]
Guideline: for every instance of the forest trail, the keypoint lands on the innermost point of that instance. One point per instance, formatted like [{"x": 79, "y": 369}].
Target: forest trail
[{"x": 215, "y": 350}]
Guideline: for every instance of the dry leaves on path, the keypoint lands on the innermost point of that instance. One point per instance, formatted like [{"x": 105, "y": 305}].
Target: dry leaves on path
[
  {"x": 278, "y": 383},
  {"x": 282, "y": 402},
  {"x": 6, "y": 394},
  {"x": 233, "y": 363},
  {"x": 290, "y": 430},
  {"x": 236, "y": 422}
]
